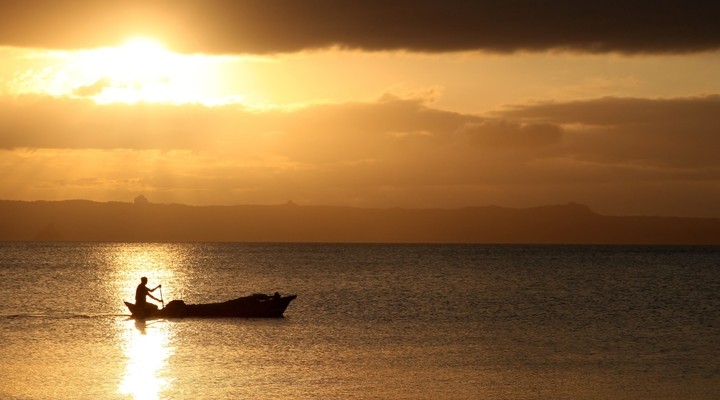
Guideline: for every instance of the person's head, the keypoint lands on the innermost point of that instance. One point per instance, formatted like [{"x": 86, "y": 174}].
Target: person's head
[{"x": 143, "y": 280}]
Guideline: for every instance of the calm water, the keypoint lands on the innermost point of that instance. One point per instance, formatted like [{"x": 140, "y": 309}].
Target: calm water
[{"x": 370, "y": 322}]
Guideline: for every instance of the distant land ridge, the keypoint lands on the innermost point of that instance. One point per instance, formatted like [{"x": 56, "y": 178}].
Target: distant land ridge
[{"x": 142, "y": 221}]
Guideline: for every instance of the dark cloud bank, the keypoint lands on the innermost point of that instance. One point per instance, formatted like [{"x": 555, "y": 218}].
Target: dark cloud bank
[{"x": 275, "y": 26}]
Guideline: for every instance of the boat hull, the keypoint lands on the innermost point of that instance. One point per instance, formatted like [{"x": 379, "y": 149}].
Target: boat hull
[{"x": 255, "y": 306}]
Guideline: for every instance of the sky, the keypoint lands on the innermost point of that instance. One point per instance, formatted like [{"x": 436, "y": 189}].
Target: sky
[{"x": 414, "y": 104}]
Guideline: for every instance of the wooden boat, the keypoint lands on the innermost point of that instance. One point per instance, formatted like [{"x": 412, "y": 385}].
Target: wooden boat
[{"x": 254, "y": 306}]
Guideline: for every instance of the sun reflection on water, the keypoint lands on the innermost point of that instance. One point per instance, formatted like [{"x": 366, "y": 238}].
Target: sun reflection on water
[
  {"x": 146, "y": 345},
  {"x": 147, "y": 348},
  {"x": 160, "y": 263}
]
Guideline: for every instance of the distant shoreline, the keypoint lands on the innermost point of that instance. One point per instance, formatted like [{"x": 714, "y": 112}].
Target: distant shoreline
[{"x": 84, "y": 220}]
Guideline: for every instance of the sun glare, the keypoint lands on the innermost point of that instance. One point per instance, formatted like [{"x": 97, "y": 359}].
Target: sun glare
[
  {"x": 139, "y": 59},
  {"x": 140, "y": 70}
]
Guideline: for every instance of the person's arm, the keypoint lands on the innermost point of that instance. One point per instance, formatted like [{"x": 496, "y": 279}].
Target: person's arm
[
  {"x": 156, "y": 299},
  {"x": 152, "y": 290}
]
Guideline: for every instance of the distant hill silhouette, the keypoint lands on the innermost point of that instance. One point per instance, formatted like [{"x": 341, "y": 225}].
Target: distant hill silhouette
[{"x": 81, "y": 220}]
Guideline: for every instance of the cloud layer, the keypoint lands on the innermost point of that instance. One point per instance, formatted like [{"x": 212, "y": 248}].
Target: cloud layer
[
  {"x": 277, "y": 26},
  {"x": 630, "y": 155}
]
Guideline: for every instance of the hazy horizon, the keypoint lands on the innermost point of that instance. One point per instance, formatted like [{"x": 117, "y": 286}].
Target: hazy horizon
[
  {"x": 421, "y": 104},
  {"x": 84, "y": 220},
  {"x": 142, "y": 199},
  {"x": 290, "y": 202}
]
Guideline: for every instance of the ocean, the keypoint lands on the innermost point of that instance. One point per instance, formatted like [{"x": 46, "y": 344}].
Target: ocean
[{"x": 371, "y": 321}]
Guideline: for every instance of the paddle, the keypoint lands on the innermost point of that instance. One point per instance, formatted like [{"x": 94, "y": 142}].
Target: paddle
[{"x": 161, "y": 298}]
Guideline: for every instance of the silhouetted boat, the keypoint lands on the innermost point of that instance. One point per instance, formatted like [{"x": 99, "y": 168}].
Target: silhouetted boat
[{"x": 255, "y": 306}]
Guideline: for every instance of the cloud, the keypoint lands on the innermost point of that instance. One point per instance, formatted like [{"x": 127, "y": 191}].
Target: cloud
[
  {"x": 617, "y": 152},
  {"x": 47, "y": 122},
  {"x": 662, "y": 133},
  {"x": 279, "y": 26},
  {"x": 677, "y": 132},
  {"x": 93, "y": 89},
  {"x": 506, "y": 134}
]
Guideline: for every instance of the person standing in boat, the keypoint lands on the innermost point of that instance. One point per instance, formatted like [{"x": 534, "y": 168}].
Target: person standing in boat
[{"x": 142, "y": 291}]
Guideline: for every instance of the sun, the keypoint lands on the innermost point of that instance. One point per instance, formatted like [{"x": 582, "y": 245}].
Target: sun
[
  {"x": 142, "y": 46},
  {"x": 141, "y": 58},
  {"x": 138, "y": 70}
]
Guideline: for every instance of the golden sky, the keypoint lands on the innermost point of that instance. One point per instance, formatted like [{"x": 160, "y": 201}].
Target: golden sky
[{"x": 612, "y": 104}]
